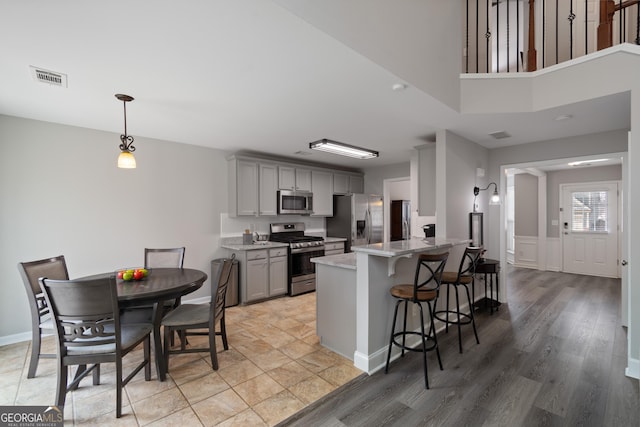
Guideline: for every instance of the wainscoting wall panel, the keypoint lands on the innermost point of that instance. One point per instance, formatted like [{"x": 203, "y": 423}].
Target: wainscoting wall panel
[
  {"x": 526, "y": 251},
  {"x": 554, "y": 254}
]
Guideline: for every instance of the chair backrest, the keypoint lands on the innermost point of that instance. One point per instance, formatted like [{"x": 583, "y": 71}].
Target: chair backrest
[
  {"x": 164, "y": 258},
  {"x": 219, "y": 290},
  {"x": 429, "y": 272},
  {"x": 55, "y": 268},
  {"x": 469, "y": 261},
  {"x": 85, "y": 312}
]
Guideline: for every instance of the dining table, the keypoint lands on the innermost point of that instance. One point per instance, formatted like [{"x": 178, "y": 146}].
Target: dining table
[{"x": 160, "y": 285}]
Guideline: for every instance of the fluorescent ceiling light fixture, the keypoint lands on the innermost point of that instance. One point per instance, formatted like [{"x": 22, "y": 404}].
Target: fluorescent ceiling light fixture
[
  {"x": 342, "y": 149},
  {"x": 586, "y": 162}
]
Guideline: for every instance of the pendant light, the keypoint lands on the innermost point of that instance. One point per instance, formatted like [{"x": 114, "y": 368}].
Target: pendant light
[{"x": 126, "y": 160}]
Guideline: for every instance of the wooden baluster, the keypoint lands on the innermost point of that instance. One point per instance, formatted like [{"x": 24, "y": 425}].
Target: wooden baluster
[
  {"x": 532, "y": 56},
  {"x": 605, "y": 28}
]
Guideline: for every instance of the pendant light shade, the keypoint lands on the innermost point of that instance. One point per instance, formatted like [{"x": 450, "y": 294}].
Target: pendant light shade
[{"x": 126, "y": 160}]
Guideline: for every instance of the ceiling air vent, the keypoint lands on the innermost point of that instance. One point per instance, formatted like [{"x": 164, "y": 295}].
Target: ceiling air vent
[
  {"x": 50, "y": 77},
  {"x": 500, "y": 134}
]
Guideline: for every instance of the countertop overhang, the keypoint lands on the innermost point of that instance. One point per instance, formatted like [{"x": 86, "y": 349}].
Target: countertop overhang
[{"x": 407, "y": 247}]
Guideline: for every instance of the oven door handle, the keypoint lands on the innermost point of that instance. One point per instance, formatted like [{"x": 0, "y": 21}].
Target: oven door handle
[{"x": 309, "y": 249}]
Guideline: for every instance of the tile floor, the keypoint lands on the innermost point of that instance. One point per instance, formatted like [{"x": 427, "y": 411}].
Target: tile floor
[{"x": 274, "y": 367}]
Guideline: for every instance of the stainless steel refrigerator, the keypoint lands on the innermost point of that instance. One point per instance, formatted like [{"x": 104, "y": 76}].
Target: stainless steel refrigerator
[{"x": 357, "y": 218}]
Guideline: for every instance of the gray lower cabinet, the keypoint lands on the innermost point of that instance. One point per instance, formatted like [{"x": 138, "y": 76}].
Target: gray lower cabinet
[
  {"x": 257, "y": 273},
  {"x": 277, "y": 273},
  {"x": 334, "y": 248},
  {"x": 263, "y": 273}
]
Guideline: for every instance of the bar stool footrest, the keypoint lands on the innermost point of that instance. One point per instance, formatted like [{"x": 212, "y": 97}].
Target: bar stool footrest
[
  {"x": 428, "y": 340},
  {"x": 465, "y": 318}
]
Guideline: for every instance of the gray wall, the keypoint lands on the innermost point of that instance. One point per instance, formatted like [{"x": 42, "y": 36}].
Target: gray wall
[
  {"x": 573, "y": 176},
  {"x": 462, "y": 159},
  {"x": 525, "y": 205},
  {"x": 374, "y": 177},
  {"x": 61, "y": 193}
]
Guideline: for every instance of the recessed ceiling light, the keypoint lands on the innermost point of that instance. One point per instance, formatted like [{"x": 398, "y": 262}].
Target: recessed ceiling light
[
  {"x": 586, "y": 162},
  {"x": 398, "y": 87},
  {"x": 563, "y": 117}
]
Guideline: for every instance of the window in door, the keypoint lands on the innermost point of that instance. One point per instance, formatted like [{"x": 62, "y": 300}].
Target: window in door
[{"x": 589, "y": 211}]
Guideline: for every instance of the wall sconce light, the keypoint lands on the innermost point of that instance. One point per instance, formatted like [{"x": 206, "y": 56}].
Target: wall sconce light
[
  {"x": 342, "y": 149},
  {"x": 126, "y": 159},
  {"x": 495, "y": 197}
]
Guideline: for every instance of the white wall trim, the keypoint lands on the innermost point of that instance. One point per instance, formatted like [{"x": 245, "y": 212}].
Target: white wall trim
[
  {"x": 542, "y": 222},
  {"x": 554, "y": 261},
  {"x": 15, "y": 338},
  {"x": 633, "y": 370},
  {"x": 526, "y": 251}
]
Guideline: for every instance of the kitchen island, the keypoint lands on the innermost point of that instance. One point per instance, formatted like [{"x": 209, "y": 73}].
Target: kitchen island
[{"x": 354, "y": 307}]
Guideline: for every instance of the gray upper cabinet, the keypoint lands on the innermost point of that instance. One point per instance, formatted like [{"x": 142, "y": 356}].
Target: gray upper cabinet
[
  {"x": 243, "y": 187},
  {"x": 356, "y": 184},
  {"x": 253, "y": 188},
  {"x": 347, "y": 184},
  {"x": 322, "y": 187},
  {"x": 340, "y": 183},
  {"x": 291, "y": 178},
  {"x": 268, "y": 195},
  {"x": 254, "y": 183}
]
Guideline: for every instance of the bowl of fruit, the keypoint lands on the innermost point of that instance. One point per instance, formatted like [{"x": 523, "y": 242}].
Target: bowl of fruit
[{"x": 132, "y": 274}]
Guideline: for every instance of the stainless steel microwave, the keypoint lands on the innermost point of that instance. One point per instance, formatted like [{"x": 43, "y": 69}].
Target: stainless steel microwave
[{"x": 295, "y": 202}]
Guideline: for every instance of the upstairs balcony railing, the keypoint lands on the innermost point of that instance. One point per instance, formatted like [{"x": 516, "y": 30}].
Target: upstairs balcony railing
[{"x": 506, "y": 36}]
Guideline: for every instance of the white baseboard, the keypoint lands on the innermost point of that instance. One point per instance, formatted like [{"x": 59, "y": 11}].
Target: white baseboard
[
  {"x": 16, "y": 338},
  {"x": 377, "y": 360},
  {"x": 633, "y": 370}
]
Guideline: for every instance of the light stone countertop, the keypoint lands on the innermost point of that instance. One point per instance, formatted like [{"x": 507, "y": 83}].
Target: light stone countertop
[
  {"x": 347, "y": 260},
  {"x": 235, "y": 244},
  {"x": 405, "y": 247}
]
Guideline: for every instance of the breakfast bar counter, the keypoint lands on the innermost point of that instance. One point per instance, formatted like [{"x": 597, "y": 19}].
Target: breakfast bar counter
[{"x": 354, "y": 307}]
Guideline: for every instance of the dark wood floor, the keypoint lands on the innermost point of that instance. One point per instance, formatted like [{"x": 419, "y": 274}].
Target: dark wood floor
[{"x": 554, "y": 355}]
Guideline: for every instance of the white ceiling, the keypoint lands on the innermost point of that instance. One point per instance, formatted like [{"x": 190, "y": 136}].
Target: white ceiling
[{"x": 237, "y": 75}]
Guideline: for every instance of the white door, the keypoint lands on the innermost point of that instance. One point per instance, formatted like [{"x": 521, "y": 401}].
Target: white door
[{"x": 590, "y": 228}]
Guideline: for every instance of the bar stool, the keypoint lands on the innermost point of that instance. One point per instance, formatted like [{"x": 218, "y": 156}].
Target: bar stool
[
  {"x": 462, "y": 278},
  {"x": 423, "y": 289}
]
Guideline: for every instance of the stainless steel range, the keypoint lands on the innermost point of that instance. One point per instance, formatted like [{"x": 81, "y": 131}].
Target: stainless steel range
[{"x": 302, "y": 272}]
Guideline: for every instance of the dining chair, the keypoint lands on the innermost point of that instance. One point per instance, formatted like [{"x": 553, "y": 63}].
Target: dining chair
[
  {"x": 41, "y": 324},
  {"x": 200, "y": 316},
  {"x": 156, "y": 258},
  {"x": 88, "y": 329}
]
